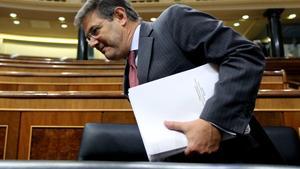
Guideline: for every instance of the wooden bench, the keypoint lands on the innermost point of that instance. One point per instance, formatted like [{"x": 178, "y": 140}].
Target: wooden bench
[
  {"x": 274, "y": 80},
  {"x": 60, "y": 68},
  {"x": 58, "y": 62},
  {"x": 61, "y": 77},
  {"x": 50, "y": 60},
  {"x": 290, "y": 65},
  {"x": 270, "y": 79},
  {"x": 38, "y": 86},
  {"x": 23, "y": 57}
]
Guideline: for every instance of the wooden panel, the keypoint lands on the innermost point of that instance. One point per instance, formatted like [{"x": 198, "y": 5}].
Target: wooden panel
[
  {"x": 59, "y": 68},
  {"x": 11, "y": 119},
  {"x": 272, "y": 118},
  {"x": 122, "y": 117},
  {"x": 271, "y": 86},
  {"x": 3, "y": 141},
  {"x": 21, "y": 86},
  {"x": 62, "y": 79},
  {"x": 50, "y": 60},
  {"x": 279, "y": 104},
  {"x": 278, "y": 108},
  {"x": 53, "y": 118},
  {"x": 7, "y": 87},
  {"x": 55, "y": 143},
  {"x": 64, "y": 103},
  {"x": 277, "y": 78}
]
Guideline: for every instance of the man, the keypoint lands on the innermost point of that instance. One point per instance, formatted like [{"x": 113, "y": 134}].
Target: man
[{"x": 183, "y": 38}]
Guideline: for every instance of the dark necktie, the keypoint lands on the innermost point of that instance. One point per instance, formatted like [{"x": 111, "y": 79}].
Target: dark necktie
[{"x": 133, "y": 80}]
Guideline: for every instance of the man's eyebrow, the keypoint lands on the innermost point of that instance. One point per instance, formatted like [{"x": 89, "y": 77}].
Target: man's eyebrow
[{"x": 89, "y": 31}]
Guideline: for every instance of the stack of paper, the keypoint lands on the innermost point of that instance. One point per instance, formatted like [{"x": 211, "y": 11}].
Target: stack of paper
[{"x": 179, "y": 97}]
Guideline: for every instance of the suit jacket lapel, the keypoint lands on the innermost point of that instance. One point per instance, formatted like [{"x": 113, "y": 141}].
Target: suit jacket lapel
[{"x": 144, "y": 52}]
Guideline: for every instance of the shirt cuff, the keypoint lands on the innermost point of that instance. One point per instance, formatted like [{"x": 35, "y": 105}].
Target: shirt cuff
[{"x": 228, "y": 134}]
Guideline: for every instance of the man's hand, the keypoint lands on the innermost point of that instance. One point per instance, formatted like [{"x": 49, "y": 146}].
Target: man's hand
[{"x": 201, "y": 135}]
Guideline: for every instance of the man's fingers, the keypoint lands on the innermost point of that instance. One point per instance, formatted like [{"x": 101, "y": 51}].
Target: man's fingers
[
  {"x": 187, "y": 151},
  {"x": 174, "y": 125}
]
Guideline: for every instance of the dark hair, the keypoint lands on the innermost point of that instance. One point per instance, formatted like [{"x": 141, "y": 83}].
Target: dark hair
[{"x": 105, "y": 9}]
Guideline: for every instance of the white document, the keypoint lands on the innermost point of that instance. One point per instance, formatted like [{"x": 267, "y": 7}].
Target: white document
[{"x": 180, "y": 97}]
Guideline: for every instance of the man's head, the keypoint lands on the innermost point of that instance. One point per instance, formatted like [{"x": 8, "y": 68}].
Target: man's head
[{"x": 108, "y": 25}]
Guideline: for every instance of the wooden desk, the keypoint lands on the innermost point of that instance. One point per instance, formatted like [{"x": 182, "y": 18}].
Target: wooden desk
[
  {"x": 278, "y": 108},
  {"x": 48, "y": 125}
]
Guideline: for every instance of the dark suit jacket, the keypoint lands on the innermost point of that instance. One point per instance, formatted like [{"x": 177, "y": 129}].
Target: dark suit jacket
[{"x": 183, "y": 38}]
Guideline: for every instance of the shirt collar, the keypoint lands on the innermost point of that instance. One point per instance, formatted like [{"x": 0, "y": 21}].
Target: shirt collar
[{"x": 135, "y": 40}]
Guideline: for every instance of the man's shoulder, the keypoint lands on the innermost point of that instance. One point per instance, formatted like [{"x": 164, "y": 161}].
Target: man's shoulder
[
  {"x": 180, "y": 11},
  {"x": 177, "y": 8},
  {"x": 173, "y": 12}
]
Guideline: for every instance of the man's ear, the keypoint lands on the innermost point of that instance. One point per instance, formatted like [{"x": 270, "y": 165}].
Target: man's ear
[{"x": 120, "y": 15}]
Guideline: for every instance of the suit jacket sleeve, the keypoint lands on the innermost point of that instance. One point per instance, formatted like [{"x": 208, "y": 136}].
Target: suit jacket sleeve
[{"x": 241, "y": 64}]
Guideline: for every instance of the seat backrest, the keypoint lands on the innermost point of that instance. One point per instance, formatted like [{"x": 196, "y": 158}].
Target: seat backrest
[
  {"x": 112, "y": 142},
  {"x": 286, "y": 141}
]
